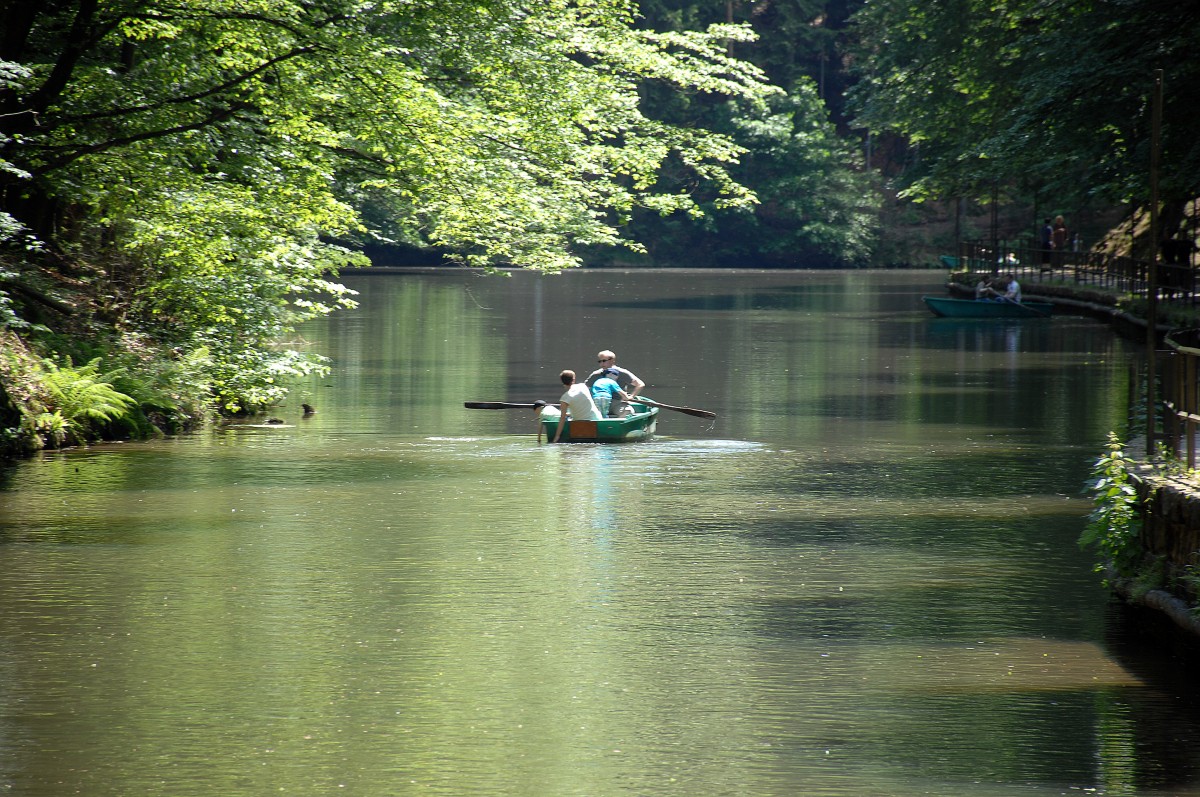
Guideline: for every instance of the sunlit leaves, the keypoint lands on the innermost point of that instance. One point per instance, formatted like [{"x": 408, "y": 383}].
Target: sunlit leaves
[
  {"x": 78, "y": 397},
  {"x": 211, "y": 150},
  {"x": 1054, "y": 97},
  {"x": 1115, "y": 521},
  {"x": 531, "y": 141}
]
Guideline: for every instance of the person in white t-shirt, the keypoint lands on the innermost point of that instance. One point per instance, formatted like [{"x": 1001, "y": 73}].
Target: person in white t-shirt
[{"x": 577, "y": 401}]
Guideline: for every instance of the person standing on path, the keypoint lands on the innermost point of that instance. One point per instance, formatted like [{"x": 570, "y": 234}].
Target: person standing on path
[
  {"x": 1060, "y": 239},
  {"x": 1047, "y": 242}
]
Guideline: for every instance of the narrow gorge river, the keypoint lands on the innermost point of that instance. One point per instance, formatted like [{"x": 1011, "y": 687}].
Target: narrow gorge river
[{"x": 861, "y": 579}]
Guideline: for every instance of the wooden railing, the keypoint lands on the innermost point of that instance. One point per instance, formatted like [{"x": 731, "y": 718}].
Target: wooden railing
[
  {"x": 1176, "y": 282},
  {"x": 1179, "y": 374}
]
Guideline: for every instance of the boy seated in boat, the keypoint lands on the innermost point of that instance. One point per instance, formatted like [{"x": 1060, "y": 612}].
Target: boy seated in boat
[
  {"x": 611, "y": 400},
  {"x": 576, "y": 402},
  {"x": 1011, "y": 290}
]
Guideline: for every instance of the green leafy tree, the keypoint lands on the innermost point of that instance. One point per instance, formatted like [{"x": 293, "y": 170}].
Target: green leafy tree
[
  {"x": 818, "y": 204},
  {"x": 1053, "y": 99},
  {"x": 199, "y": 168},
  {"x": 941, "y": 76}
]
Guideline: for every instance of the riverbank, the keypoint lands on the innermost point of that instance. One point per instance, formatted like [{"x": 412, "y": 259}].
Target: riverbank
[
  {"x": 136, "y": 392},
  {"x": 1109, "y": 306},
  {"x": 1166, "y": 578}
]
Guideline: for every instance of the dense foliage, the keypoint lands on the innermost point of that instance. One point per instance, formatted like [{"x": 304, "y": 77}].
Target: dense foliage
[
  {"x": 1115, "y": 521},
  {"x": 183, "y": 176},
  {"x": 179, "y": 179},
  {"x": 1050, "y": 99},
  {"x": 819, "y": 205}
]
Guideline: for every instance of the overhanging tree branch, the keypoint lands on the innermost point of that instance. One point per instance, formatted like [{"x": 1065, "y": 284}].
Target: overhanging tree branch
[
  {"x": 115, "y": 143},
  {"x": 196, "y": 97}
]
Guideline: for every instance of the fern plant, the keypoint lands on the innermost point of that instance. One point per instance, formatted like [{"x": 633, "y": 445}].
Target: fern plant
[
  {"x": 83, "y": 398},
  {"x": 51, "y": 427}
]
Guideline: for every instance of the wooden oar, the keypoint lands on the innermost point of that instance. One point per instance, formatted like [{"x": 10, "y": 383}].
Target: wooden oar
[
  {"x": 1033, "y": 310},
  {"x": 502, "y": 405},
  {"x": 1011, "y": 300},
  {"x": 686, "y": 410}
]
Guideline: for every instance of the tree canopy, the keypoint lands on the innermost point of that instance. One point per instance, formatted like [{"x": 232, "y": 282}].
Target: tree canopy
[
  {"x": 1055, "y": 97},
  {"x": 818, "y": 203},
  {"x": 192, "y": 171},
  {"x": 179, "y": 179}
]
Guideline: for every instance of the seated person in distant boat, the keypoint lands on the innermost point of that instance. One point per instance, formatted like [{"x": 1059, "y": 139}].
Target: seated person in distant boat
[
  {"x": 611, "y": 400},
  {"x": 625, "y": 378},
  {"x": 983, "y": 289},
  {"x": 577, "y": 402},
  {"x": 1012, "y": 289}
]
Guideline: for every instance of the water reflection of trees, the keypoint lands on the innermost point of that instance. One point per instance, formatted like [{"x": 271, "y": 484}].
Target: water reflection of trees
[{"x": 1156, "y": 728}]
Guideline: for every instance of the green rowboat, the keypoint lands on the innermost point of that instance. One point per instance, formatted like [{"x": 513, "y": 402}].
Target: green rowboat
[
  {"x": 986, "y": 308},
  {"x": 630, "y": 429}
]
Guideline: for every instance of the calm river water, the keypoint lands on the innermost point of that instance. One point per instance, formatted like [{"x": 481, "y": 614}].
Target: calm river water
[{"x": 861, "y": 579}]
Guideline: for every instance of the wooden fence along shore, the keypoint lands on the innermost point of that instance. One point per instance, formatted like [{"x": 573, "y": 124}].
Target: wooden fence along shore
[
  {"x": 1176, "y": 279},
  {"x": 1076, "y": 274}
]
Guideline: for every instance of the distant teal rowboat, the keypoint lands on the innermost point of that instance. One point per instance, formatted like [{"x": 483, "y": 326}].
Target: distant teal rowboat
[{"x": 968, "y": 308}]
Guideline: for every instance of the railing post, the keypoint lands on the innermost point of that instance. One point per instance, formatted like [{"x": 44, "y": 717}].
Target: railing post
[
  {"x": 1152, "y": 283},
  {"x": 1172, "y": 404},
  {"x": 1189, "y": 405}
]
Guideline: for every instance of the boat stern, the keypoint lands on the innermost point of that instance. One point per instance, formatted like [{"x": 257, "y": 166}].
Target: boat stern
[{"x": 639, "y": 426}]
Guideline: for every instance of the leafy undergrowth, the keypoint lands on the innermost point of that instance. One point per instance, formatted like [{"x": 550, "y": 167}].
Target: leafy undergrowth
[{"x": 48, "y": 403}]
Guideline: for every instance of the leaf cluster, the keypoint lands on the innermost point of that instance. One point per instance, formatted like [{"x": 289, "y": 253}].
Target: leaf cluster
[
  {"x": 1115, "y": 522},
  {"x": 818, "y": 204},
  {"x": 1052, "y": 97},
  {"x": 199, "y": 169}
]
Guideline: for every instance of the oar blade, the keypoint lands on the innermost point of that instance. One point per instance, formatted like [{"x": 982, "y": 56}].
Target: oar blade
[
  {"x": 502, "y": 405},
  {"x": 686, "y": 410}
]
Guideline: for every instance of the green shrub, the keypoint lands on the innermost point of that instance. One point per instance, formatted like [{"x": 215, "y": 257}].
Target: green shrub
[
  {"x": 1115, "y": 522},
  {"x": 82, "y": 398}
]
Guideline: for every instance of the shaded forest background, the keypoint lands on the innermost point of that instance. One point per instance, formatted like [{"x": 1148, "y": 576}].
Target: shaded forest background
[
  {"x": 181, "y": 182},
  {"x": 968, "y": 120}
]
